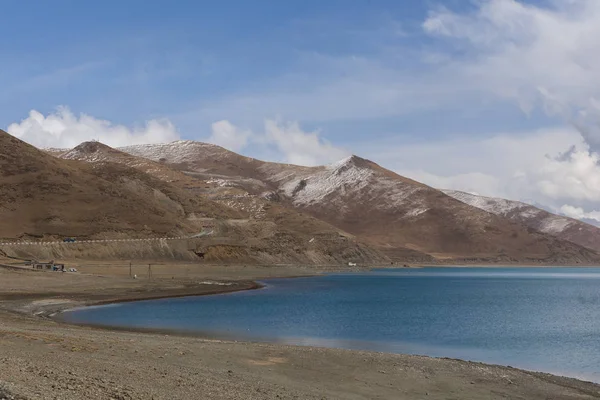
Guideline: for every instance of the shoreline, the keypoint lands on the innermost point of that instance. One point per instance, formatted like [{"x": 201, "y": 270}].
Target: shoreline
[
  {"x": 31, "y": 340},
  {"x": 53, "y": 311},
  {"x": 256, "y": 285},
  {"x": 252, "y": 285}
]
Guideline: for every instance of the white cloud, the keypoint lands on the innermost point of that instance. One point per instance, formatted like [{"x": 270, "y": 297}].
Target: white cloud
[
  {"x": 579, "y": 213},
  {"x": 527, "y": 166},
  {"x": 532, "y": 167},
  {"x": 227, "y": 135},
  {"x": 538, "y": 56},
  {"x": 535, "y": 56},
  {"x": 472, "y": 182},
  {"x": 285, "y": 141},
  {"x": 63, "y": 129},
  {"x": 543, "y": 57},
  {"x": 299, "y": 147},
  {"x": 573, "y": 177}
]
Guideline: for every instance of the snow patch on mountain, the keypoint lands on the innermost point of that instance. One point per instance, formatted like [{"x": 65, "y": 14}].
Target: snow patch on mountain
[
  {"x": 97, "y": 153},
  {"x": 533, "y": 216},
  {"x": 87, "y": 154},
  {"x": 490, "y": 204},
  {"x": 530, "y": 212},
  {"x": 350, "y": 177},
  {"x": 281, "y": 173},
  {"x": 415, "y": 212},
  {"x": 221, "y": 182},
  {"x": 555, "y": 224},
  {"x": 180, "y": 151},
  {"x": 77, "y": 154},
  {"x": 343, "y": 176},
  {"x": 55, "y": 151}
]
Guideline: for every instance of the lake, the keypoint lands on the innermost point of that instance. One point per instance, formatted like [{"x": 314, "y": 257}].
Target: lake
[{"x": 544, "y": 319}]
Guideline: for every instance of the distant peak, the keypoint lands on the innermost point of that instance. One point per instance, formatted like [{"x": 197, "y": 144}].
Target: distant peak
[
  {"x": 92, "y": 147},
  {"x": 343, "y": 161},
  {"x": 350, "y": 161}
]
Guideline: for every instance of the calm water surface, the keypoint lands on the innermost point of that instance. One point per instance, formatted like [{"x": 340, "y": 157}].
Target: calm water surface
[{"x": 545, "y": 319}]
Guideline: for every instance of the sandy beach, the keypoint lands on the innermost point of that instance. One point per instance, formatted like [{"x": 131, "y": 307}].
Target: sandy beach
[{"x": 42, "y": 358}]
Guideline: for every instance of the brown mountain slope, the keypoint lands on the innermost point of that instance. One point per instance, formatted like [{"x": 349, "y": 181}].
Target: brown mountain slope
[
  {"x": 216, "y": 164},
  {"x": 198, "y": 157},
  {"x": 380, "y": 207},
  {"x": 257, "y": 181},
  {"x": 41, "y": 195},
  {"x": 562, "y": 227},
  {"x": 95, "y": 152},
  {"x": 46, "y": 197},
  {"x": 388, "y": 211}
]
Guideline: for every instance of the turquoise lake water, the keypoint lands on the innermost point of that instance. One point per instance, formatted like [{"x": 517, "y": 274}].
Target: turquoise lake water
[{"x": 545, "y": 319}]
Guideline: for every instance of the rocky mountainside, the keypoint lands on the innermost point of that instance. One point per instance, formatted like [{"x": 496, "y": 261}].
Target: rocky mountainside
[
  {"x": 215, "y": 164},
  {"x": 559, "y": 226},
  {"x": 112, "y": 195},
  {"x": 391, "y": 211},
  {"x": 42, "y": 196},
  {"x": 396, "y": 215},
  {"x": 96, "y": 152}
]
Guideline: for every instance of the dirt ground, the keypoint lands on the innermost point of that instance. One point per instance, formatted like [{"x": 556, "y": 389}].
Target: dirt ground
[{"x": 41, "y": 358}]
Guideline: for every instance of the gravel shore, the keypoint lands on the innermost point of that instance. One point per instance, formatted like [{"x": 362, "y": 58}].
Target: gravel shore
[{"x": 41, "y": 358}]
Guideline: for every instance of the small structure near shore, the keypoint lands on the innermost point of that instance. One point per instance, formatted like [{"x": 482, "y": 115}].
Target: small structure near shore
[{"x": 52, "y": 266}]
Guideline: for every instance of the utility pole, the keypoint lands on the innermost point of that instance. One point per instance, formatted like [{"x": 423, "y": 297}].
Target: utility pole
[
  {"x": 149, "y": 271},
  {"x": 130, "y": 269}
]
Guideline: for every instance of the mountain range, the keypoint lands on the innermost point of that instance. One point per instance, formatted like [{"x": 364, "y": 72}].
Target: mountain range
[
  {"x": 562, "y": 227},
  {"x": 350, "y": 211}
]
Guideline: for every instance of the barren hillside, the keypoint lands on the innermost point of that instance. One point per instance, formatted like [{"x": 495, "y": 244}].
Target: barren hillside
[
  {"x": 42, "y": 196},
  {"x": 559, "y": 226},
  {"x": 379, "y": 207},
  {"x": 112, "y": 195},
  {"x": 96, "y": 152}
]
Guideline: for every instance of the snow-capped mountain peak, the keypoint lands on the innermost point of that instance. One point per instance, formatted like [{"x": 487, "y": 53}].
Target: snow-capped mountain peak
[
  {"x": 179, "y": 151},
  {"x": 357, "y": 195},
  {"x": 344, "y": 175},
  {"x": 534, "y": 217}
]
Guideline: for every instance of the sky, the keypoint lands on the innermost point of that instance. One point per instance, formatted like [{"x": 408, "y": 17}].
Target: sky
[{"x": 495, "y": 97}]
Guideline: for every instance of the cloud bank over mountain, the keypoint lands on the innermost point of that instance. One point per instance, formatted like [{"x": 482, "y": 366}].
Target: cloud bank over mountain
[
  {"x": 386, "y": 98},
  {"x": 64, "y": 129},
  {"x": 541, "y": 58},
  {"x": 286, "y": 141}
]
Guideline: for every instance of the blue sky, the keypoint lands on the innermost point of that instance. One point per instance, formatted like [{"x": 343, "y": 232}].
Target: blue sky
[
  {"x": 189, "y": 61},
  {"x": 432, "y": 89}
]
